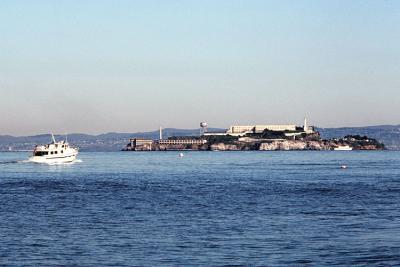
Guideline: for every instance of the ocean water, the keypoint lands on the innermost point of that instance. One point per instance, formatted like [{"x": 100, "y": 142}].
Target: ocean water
[{"x": 205, "y": 209}]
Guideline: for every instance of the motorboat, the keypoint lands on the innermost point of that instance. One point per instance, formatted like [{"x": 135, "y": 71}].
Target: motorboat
[
  {"x": 53, "y": 153},
  {"x": 343, "y": 148}
]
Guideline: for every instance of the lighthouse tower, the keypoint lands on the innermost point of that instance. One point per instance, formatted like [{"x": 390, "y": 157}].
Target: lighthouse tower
[
  {"x": 305, "y": 124},
  {"x": 306, "y": 128},
  {"x": 161, "y": 133}
]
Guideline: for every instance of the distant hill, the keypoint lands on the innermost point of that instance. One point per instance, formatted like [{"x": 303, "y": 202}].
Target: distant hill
[
  {"x": 388, "y": 134},
  {"x": 86, "y": 142}
]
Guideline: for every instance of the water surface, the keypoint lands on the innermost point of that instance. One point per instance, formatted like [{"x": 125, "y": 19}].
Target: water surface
[{"x": 205, "y": 209}]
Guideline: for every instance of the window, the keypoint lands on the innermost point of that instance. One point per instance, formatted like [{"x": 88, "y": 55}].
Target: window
[{"x": 41, "y": 153}]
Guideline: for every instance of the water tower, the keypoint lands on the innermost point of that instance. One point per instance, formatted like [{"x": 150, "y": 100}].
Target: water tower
[{"x": 203, "y": 127}]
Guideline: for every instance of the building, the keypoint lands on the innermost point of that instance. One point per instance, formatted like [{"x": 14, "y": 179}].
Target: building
[
  {"x": 242, "y": 130},
  {"x": 308, "y": 129},
  {"x": 182, "y": 141},
  {"x": 140, "y": 144},
  {"x": 239, "y": 130}
]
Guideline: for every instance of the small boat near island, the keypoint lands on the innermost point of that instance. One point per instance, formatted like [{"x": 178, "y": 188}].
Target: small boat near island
[
  {"x": 54, "y": 153},
  {"x": 343, "y": 148}
]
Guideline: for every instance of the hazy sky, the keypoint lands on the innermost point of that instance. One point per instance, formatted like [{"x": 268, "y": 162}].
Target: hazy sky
[{"x": 100, "y": 66}]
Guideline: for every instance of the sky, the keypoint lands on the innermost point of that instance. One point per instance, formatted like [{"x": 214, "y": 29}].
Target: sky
[{"x": 127, "y": 66}]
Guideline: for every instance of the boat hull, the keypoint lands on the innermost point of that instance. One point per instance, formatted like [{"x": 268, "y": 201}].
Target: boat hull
[
  {"x": 53, "y": 159},
  {"x": 343, "y": 149}
]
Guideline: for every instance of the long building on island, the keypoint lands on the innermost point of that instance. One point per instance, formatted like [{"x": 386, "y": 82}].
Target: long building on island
[
  {"x": 176, "y": 143},
  {"x": 181, "y": 141},
  {"x": 242, "y": 130}
]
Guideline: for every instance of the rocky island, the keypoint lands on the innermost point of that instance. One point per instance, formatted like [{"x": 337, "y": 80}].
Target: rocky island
[{"x": 257, "y": 137}]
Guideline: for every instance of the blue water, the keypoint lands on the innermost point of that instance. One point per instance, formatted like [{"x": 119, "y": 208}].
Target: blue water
[{"x": 205, "y": 209}]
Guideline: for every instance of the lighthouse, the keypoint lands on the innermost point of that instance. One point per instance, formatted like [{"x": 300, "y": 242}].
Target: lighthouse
[
  {"x": 307, "y": 129},
  {"x": 305, "y": 124},
  {"x": 161, "y": 133}
]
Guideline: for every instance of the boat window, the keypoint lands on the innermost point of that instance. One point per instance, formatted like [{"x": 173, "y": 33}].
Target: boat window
[
  {"x": 51, "y": 152},
  {"x": 55, "y": 152},
  {"x": 62, "y": 151},
  {"x": 41, "y": 153}
]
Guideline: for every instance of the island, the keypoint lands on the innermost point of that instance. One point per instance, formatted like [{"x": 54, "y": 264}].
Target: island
[{"x": 268, "y": 137}]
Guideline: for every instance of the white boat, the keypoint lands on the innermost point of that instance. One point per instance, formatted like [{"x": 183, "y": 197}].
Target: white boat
[
  {"x": 53, "y": 153},
  {"x": 343, "y": 148}
]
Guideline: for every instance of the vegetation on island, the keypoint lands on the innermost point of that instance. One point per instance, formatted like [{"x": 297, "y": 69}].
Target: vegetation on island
[{"x": 358, "y": 142}]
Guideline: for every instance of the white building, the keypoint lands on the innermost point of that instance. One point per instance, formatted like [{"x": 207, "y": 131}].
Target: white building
[
  {"x": 241, "y": 130},
  {"x": 307, "y": 129},
  {"x": 182, "y": 141}
]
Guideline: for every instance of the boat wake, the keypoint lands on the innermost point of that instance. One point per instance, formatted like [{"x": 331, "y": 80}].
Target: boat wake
[
  {"x": 13, "y": 162},
  {"x": 9, "y": 162},
  {"x": 6, "y": 162}
]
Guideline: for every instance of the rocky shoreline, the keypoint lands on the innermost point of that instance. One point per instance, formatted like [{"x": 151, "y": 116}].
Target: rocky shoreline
[
  {"x": 259, "y": 144},
  {"x": 288, "y": 145}
]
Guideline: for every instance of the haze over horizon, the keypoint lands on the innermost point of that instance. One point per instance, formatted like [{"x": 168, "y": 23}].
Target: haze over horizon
[{"x": 128, "y": 66}]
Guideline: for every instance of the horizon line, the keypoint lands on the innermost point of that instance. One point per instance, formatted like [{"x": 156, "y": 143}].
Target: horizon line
[{"x": 189, "y": 129}]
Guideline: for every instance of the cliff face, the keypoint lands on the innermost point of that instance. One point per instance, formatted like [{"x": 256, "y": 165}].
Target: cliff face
[
  {"x": 294, "y": 145},
  {"x": 273, "y": 145},
  {"x": 291, "y": 145},
  {"x": 224, "y": 147},
  {"x": 284, "y": 145}
]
